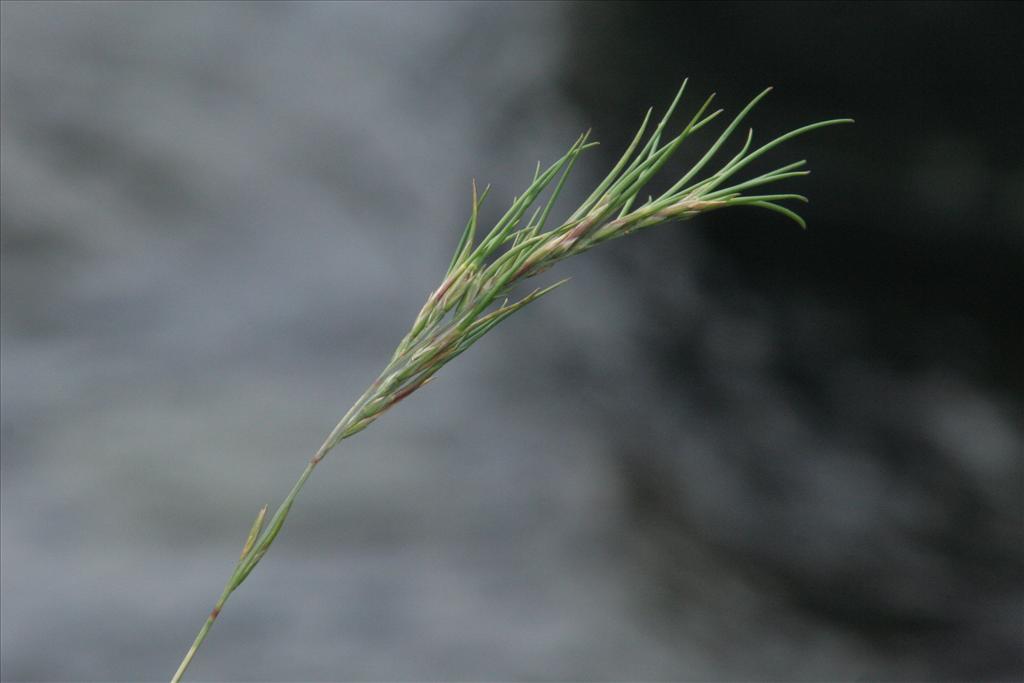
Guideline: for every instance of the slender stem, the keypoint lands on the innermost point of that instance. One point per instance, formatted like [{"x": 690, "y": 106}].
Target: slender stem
[
  {"x": 201, "y": 636},
  {"x": 256, "y": 549}
]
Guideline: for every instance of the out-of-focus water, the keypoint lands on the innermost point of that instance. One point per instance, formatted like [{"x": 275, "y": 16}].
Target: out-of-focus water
[{"x": 217, "y": 221}]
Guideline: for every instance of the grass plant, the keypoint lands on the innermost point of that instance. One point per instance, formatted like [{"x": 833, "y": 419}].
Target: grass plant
[{"x": 478, "y": 290}]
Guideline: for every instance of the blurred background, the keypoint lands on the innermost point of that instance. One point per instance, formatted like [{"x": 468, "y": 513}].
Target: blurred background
[{"x": 729, "y": 450}]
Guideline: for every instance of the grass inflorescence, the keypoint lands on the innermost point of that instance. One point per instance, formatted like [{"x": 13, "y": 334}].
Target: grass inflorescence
[{"x": 477, "y": 291}]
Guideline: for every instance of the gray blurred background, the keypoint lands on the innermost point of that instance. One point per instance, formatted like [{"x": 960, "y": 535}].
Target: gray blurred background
[{"x": 728, "y": 450}]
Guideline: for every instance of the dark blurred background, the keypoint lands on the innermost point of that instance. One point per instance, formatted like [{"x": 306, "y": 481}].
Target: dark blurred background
[{"x": 729, "y": 450}]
